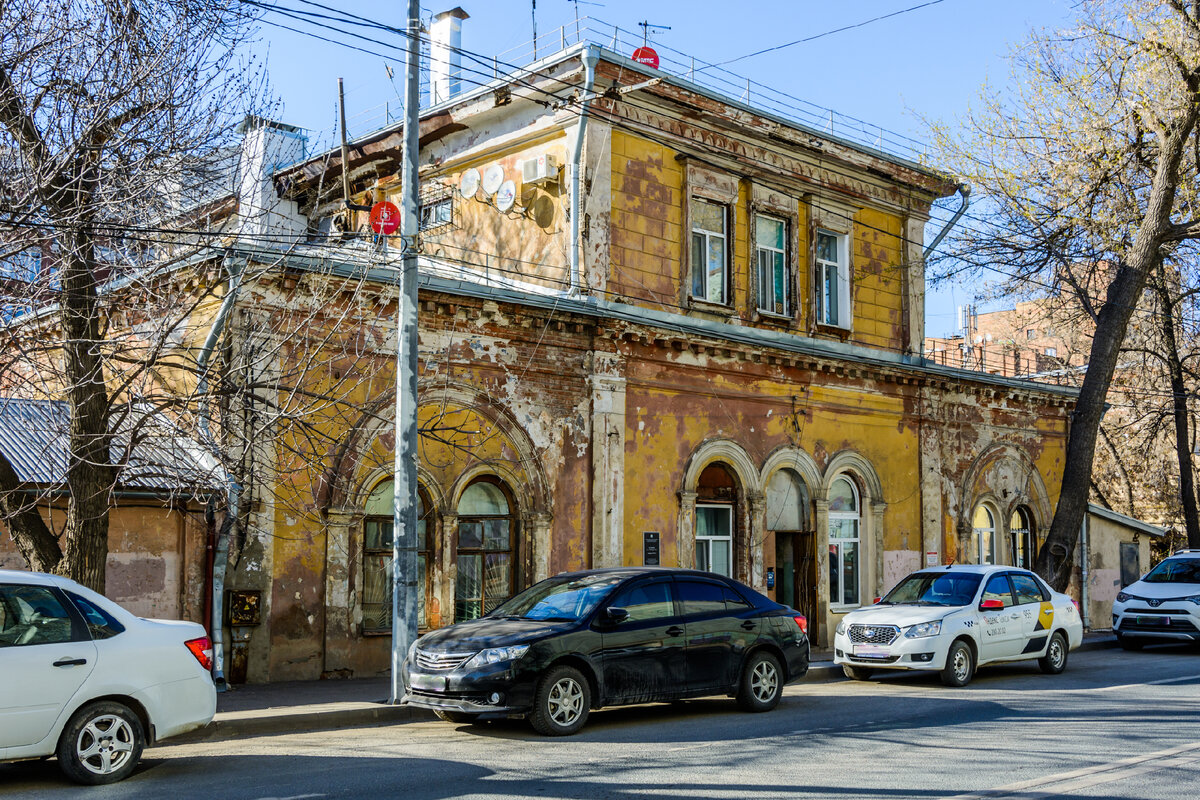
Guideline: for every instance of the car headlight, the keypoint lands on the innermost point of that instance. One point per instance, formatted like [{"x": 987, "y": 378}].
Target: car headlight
[
  {"x": 1123, "y": 598},
  {"x": 1193, "y": 599},
  {"x": 841, "y": 628},
  {"x": 923, "y": 629},
  {"x": 497, "y": 655}
]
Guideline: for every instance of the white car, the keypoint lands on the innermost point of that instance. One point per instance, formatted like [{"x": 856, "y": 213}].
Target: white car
[
  {"x": 953, "y": 619},
  {"x": 1163, "y": 606},
  {"x": 83, "y": 679}
]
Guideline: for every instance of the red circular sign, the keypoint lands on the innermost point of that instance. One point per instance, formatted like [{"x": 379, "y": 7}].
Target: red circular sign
[
  {"x": 647, "y": 56},
  {"x": 385, "y": 218}
]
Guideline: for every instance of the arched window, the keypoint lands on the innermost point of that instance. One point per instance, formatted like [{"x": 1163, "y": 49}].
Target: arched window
[
  {"x": 377, "y": 559},
  {"x": 715, "y": 520},
  {"x": 844, "y": 545},
  {"x": 983, "y": 536},
  {"x": 485, "y": 555},
  {"x": 1022, "y": 538}
]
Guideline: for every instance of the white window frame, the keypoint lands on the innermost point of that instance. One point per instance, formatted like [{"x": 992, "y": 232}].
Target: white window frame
[
  {"x": 839, "y": 317},
  {"x": 838, "y": 599},
  {"x": 977, "y": 533},
  {"x": 705, "y": 543},
  {"x": 759, "y": 249},
  {"x": 708, "y": 236}
]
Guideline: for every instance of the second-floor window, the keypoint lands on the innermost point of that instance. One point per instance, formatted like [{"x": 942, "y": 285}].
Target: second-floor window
[
  {"x": 436, "y": 213},
  {"x": 833, "y": 279},
  {"x": 771, "y": 247},
  {"x": 710, "y": 275}
]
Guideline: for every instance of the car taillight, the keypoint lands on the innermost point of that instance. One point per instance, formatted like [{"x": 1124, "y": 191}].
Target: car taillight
[
  {"x": 802, "y": 623},
  {"x": 202, "y": 649},
  {"x": 1076, "y": 602}
]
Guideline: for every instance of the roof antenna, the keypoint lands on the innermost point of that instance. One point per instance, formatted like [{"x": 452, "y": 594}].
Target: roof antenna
[{"x": 649, "y": 28}]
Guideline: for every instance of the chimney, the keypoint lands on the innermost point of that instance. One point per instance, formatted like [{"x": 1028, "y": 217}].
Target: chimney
[
  {"x": 267, "y": 145},
  {"x": 445, "y": 58}
]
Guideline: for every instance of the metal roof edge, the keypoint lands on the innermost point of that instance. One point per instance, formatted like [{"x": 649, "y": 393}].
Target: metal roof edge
[{"x": 1128, "y": 522}]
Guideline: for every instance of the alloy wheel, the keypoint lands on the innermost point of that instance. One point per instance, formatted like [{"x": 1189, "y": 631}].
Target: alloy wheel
[
  {"x": 764, "y": 680},
  {"x": 565, "y": 701},
  {"x": 105, "y": 744}
]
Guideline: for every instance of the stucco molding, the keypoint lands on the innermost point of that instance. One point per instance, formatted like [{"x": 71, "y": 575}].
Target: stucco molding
[
  {"x": 795, "y": 459},
  {"x": 727, "y": 452},
  {"x": 1029, "y": 489},
  {"x": 848, "y": 461}
]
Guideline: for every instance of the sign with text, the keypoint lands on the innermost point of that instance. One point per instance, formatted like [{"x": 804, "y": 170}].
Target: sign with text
[
  {"x": 650, "y": 548},
  {"x": 647, "y": 56}
]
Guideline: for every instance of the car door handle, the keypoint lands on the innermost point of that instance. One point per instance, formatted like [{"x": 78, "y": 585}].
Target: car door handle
[
  {"x": 674, "y": 630},
  {"x": 70, "y": 662},
  {"x": 748, "y": 624}
]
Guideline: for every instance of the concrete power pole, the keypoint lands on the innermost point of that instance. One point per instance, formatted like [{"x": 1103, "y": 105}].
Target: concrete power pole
[{"x": 404, "y": 528}]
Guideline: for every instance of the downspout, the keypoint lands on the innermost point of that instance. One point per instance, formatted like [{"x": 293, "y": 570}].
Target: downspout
[
  {"x": 232, "y": 489},
  {"x": 590, "y": 59},
  {"x": 1083, "y": 572},
  {"x": 964, "y": 191}
]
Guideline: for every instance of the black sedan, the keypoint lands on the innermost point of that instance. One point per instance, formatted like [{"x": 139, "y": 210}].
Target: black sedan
[{"x": 609, "y": 637}]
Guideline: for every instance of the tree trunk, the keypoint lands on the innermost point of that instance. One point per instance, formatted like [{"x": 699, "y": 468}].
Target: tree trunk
[
  {"x": 89, "y": 468},
  {"x": 1179, "y": 410},
  {"x": 35, "y": 541}
]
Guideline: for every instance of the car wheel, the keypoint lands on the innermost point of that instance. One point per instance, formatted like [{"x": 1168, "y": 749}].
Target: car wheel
[
  {"x": 459, "y": 717},
  {"x": 1055, "y": 660},
  {"x": 1130, "y": 644},
  {"x": 562, "y": 702},
  {"x": 960, "y": 665},
  {"x": 762, "y": 683},
  {"x": 857, "y": 673},
  {"x": 101, "y": 744}
]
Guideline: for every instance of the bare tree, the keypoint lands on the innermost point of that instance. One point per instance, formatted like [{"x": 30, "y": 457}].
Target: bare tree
[
  {"x": 106, "y": 108},
  {"x": 1089, "y": 163}
]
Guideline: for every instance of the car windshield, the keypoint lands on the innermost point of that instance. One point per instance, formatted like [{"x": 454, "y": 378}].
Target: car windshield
[
  {"x": 559, "y": 599},
  {"x": 1175, "y": 570},
  {"x": 935, "y": 589}
]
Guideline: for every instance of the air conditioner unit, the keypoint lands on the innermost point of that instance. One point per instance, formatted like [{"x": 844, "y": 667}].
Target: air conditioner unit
[{"x": 540, "y": 170}]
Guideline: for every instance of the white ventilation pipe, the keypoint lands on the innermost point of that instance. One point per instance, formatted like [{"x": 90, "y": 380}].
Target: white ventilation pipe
[{"x": 445, "y": 55}]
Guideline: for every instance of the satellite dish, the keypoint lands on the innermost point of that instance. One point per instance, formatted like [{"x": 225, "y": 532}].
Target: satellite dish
[
  {"x": 468, "y": 184},
  {"x": 506, "y": 195},
  {"x": 492, "y": 178}
]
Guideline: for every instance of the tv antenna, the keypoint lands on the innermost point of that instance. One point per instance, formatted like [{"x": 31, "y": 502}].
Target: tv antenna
[{"x": 649, "y": 28}]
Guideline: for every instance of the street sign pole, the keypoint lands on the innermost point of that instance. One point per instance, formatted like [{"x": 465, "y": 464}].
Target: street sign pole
[{"x": 404, "y": 528}]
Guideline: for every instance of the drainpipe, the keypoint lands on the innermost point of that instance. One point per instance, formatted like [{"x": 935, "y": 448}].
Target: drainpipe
[
  {"x": 232, "y": 489},
  {"x": 964, "y": 191},
  {"x": 1083, "y": 572},
  {"x": 590, "y": 59}
]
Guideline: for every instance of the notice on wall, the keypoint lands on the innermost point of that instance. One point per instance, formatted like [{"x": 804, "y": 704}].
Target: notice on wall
[
  {"x": 931, "y": 559},
  {"x": 650, "y": 548}
]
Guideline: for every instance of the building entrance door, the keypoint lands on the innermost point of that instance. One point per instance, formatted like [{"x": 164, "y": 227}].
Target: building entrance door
[{"x": 796, "y": 575}]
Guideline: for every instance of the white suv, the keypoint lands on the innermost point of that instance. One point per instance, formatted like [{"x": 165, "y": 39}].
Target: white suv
[
  {"x": 952, "y": 619},
  {"x": 83, "y": 679},
  {"x": 1163, "y": 606}
]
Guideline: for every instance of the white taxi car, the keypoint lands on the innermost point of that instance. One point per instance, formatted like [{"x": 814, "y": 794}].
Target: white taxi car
[
  {"x": 953, "y": 619},
  {"x": 1163, "y": 606},
  {"x": 85, "y": 680}
]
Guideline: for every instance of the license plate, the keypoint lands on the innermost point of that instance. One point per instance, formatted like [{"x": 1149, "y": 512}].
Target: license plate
[
  {"x": 428, "y": 683},
  {"x": 1153, "y": 620},
  {"x": 870, "y": 650}
]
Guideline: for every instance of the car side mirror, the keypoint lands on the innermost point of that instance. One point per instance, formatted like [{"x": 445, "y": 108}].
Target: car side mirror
[
  {"x": 616, "y": 615},
  {"x": 991, "y": 605}
]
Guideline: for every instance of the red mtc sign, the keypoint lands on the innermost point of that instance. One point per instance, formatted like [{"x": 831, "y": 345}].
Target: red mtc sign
[
  {"x": 647, "y": 56},
  {"x": 385, "y": 218}
]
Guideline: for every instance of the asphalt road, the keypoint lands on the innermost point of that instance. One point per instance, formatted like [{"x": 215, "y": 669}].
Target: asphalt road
[{"x": 1114, "y": 725}]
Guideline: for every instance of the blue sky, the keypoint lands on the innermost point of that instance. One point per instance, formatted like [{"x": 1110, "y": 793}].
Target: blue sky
[{"x": 929, "y": 62}]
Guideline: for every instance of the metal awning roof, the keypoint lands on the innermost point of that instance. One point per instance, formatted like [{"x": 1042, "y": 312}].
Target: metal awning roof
[{"x": 162, "y": 459}]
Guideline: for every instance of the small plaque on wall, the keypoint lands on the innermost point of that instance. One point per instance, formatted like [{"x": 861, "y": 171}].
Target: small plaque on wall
[{"x": 650, "y": 548}]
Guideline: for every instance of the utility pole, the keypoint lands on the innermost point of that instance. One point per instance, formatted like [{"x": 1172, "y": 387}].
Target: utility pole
[{"x": 404, "y": 526}]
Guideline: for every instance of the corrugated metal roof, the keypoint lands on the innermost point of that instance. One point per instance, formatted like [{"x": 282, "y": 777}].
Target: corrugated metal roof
[
  {"x": 33, "y": 438},
  {"x": 1128, "y": 522}
]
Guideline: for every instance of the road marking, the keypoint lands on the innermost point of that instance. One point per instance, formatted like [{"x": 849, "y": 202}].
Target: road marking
[
  {"x": 1158, "y": 682},
  {"x": 1090, "y": 776}
]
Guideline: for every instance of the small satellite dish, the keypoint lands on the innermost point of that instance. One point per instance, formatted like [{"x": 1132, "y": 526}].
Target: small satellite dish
[
  {"x": 506, "y": 195},
  {"x": 468, "y": 184},
  {"x": 492, "y": 178}
]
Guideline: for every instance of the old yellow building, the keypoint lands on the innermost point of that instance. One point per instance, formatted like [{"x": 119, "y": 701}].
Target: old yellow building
[{"x": 658, "y": 324}]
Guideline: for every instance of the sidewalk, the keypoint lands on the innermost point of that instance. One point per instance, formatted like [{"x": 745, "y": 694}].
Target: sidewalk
[{"x": 302, "y": 706}]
